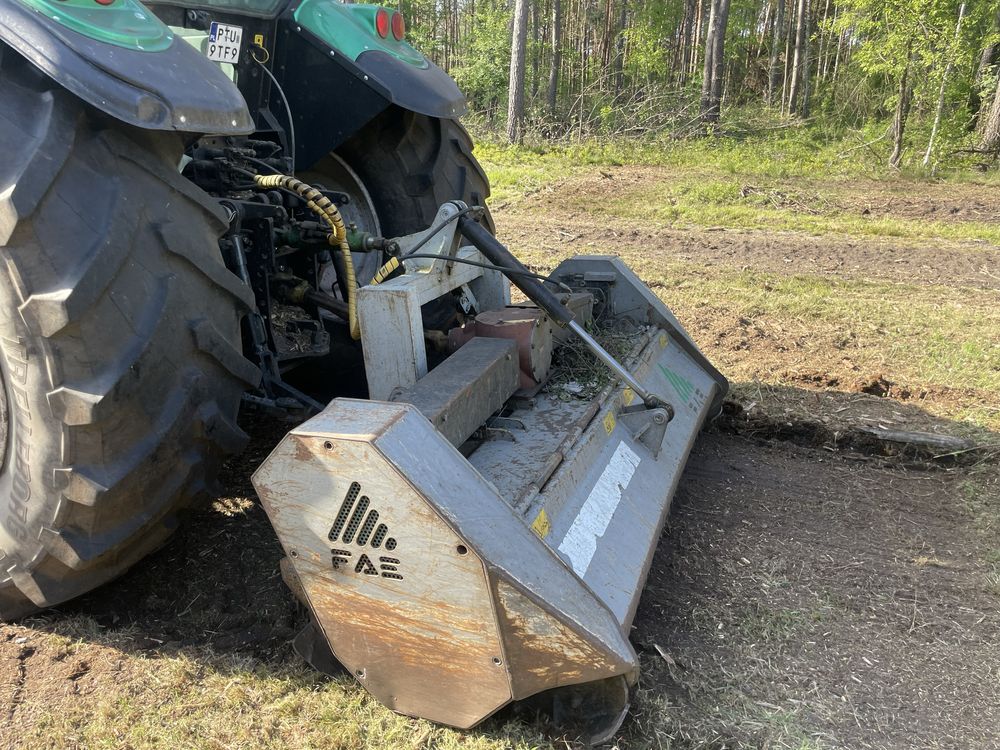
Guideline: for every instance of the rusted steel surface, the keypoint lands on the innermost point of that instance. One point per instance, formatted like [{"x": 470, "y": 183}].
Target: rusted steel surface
[
  {"x": 531, "y": 329},
  {"x": 399, "y": 619},
  {"x": 441, "y": 623},
  {"x": 462, "y": 392}
]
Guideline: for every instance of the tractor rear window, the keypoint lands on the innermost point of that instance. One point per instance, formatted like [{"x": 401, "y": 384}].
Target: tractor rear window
[{"x": 249, "y": 7}]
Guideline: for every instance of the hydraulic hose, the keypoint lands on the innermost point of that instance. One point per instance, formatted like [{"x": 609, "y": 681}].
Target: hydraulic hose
[
  {"x": 325, "y": 208},
  {"x": 383, "y": 273}
]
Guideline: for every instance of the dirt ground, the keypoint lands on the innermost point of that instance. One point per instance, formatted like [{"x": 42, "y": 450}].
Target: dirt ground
[
  {"x": 562, "y": 214},
  {"x": 817, "y": 586}
]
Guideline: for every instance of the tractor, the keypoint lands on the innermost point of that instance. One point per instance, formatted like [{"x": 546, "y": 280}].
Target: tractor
[{"x": 209, "y": 205}]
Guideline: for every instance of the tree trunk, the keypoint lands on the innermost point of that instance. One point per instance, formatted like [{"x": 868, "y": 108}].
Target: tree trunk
[
  {"x": 786, "y": 68},
  {"x": 902, "y": 113},
  {"x": 619, "y": 62},
  {"x": 699, "y": 32},
  {"x": 806, "y": 84},
  {"x": 944, "y": 84},
  {"x": 774, "y": 70},
  {"x": 536, "y": 48},
  {"x": 718, "y": 61},
  {"x": 515, "y": 97},
  {"x": 556, "y": 55},
  {"x": 687, "y": 41},
  {"x": 976, "y": 104},
  {"x": 824, "y": 43},
  {"x": 706, "y": 79},
  {"x": 990, "y": 129},
  {"x": 799, "y": 55}
]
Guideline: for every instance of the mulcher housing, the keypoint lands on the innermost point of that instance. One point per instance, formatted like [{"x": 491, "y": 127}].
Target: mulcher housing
[{"x": 497, "y": 568}]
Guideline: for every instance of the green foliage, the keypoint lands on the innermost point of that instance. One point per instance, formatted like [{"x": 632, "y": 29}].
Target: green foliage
[
  {"x": 919, "y": 36},
  {"x": 482, "y": 71},
  {"x": 633, "y": 68}
]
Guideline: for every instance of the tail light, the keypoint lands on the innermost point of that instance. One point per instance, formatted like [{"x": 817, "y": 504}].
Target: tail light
[
  {"x": 382, "y": 22},
  {"x": 398, "y": 26}
]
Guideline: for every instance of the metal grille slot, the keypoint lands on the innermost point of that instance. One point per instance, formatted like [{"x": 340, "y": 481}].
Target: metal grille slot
[
  {"x": 345, "y": 511},
  {"x": 379, "y": 537},
  {"x": 365, "y": 566},
  {"x": 339, "y": 557},
  {"x": 352, "y": 525},
  {"x": 367, "y": 527}
]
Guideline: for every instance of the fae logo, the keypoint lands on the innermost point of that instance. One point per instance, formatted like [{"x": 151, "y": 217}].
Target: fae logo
[{"x": 357, "y": 524}]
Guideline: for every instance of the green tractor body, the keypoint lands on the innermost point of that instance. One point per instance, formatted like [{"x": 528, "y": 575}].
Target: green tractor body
[{"x": 271, "y": 203}]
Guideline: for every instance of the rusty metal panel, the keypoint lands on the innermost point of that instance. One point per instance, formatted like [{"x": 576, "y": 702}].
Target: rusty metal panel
[
  {"x": 531, "y": 328},
  {"x": 410, "y": 612},
  {"x": 462, "y": 392},
  {"x": 500, "y": 536},
  {"x": 544, "y": 652}
]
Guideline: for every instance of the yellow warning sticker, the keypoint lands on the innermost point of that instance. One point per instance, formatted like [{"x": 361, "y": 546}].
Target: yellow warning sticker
[
  {"x": 541, "y": 525},
  {"x": 258, "y": 39},
  {"x": 664, "y": 340},
  {"x": 609, "y": 422},
  {"x": 628, "y": 396}
]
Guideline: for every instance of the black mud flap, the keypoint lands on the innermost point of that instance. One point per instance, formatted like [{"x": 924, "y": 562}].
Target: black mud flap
[{"x": 176, "y": 89}]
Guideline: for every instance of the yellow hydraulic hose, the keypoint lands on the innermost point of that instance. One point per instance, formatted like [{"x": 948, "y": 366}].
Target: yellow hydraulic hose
[
  {"x": 324, "y": 207},
  {"x": 383, "y": 273}
]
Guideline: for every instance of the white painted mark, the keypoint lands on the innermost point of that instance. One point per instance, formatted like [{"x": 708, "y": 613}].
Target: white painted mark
[{"x": 580, "y": 542}]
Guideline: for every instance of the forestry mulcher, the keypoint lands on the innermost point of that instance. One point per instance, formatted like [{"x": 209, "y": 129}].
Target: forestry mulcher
[{"x": 272, "y": 203}]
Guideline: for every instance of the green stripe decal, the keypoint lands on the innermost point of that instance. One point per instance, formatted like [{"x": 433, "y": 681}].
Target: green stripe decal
[{"x": 683, "y": 386}]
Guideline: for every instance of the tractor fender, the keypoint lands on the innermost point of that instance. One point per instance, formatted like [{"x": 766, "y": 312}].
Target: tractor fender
[
  {"x": 427, "y": 90},
  {"x": 341, "y": 95},
  {"x": 174, "y": 89}
]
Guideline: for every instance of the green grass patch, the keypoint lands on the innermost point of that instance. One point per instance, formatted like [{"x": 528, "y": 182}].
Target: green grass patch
[
  {"x": 789, "y": 152},
  {"x": 921, "y": 333},
  {"x": 696, "y": 201}
]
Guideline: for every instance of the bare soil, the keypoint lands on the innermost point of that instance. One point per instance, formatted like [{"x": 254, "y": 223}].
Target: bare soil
[
  {"x": 846, "y": 598},
  {"x": 560, "y": 216},
  {"x": 814, "y": 587}
]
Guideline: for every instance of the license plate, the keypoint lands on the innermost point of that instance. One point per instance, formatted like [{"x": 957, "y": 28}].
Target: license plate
[{"x": 224, "y": 43}]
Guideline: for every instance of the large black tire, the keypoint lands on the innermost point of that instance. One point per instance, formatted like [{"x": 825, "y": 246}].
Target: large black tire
[
  {"x": 120, "y": 333},
  {"x": 411, "y": 164}
]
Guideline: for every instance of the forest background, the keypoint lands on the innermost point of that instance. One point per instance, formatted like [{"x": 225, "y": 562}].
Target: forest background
[{"x": 912, "y": 84}]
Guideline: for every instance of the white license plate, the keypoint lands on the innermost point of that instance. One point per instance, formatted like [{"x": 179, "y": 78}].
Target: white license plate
[{"x": 224, "y": 43}]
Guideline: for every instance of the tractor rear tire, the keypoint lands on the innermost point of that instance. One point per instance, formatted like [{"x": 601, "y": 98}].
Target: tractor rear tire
[
  {"x": 120, "y": 347},
  {"x": 413, "y": 163}
]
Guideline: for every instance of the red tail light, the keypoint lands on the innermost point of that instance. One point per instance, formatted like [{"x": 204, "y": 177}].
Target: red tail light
[
  {"x": 382, "y": 23},
  {"x": 398, "y": 26}
]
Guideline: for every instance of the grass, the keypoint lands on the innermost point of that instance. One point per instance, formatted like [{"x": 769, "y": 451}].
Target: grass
[
  {"x": 699, "y": 201},
  {"x": 199, "y": 700},
  {"x": 789, "y": 153},
  {"x": 793, "y": 180}
]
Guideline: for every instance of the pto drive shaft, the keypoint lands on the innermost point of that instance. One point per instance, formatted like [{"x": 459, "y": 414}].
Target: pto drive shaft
[{"x": 496, "y": 253}]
